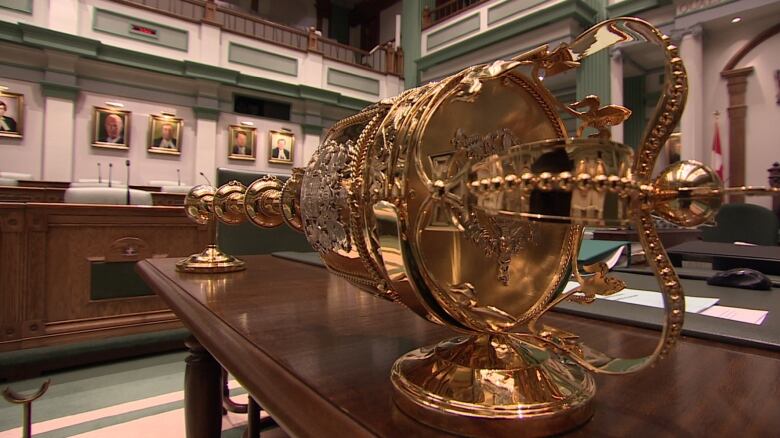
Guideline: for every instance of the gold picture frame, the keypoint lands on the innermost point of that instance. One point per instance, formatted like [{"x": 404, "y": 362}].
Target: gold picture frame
[
  {"x": 103, "y": 120},
  {"x": 281, "y": 147},
  {"x": 162, "y": 140},
  {"x": 11, "y": 114},
  {"x": 239, "y": 149}
]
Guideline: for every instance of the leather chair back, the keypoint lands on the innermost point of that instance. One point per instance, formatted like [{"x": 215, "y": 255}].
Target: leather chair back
[
  {"x": 247, "y": 238},
  {"x": 743, "y": 223}
]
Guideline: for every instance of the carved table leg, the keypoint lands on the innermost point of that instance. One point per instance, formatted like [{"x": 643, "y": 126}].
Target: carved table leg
[
  {"x": 253, "y": 419},
  {"x": 202, "y": 393}
]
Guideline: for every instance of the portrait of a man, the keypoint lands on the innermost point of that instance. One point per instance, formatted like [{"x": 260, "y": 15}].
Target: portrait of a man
[
  {"x": 241, "y": 145},
  {"x": 281, "y": 147},
  {"x": 111, "y": 128},
  {"x": 11, "y": 111},
  {"x": 165, "y": 134}
]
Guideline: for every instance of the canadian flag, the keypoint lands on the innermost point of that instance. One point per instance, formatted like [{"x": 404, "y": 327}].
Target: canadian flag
[{"x": 717, "y": 155}]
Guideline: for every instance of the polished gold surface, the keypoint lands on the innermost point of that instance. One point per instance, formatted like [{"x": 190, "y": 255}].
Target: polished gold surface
[
  {"x": 465, "y": 200},
  {"x": 210, "y": 261},
  {"x": 262, "y": 202},
  {"x": 508, "y": 385},
  {"x": 228, "y": 204},
  {"x": 205, "y": 204}
]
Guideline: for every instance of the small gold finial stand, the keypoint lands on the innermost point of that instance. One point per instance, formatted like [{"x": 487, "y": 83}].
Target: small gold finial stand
[{"x": 205, "y": 205}]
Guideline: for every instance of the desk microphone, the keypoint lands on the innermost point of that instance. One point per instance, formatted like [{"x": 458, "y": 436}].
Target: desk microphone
[
  {"x": 100, "y": 178},
  {"x": 178, "y": 176},
  {"x": 204, "y": 177},
  {"x": 127, "y": 164},
  {"x": 110, "y": 167}
]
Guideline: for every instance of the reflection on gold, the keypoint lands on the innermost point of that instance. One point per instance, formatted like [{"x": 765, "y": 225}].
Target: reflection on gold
[{"x": 465, "y": 200}]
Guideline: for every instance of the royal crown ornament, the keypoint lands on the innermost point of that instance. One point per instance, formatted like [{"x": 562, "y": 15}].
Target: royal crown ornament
[{"x": 465, "y": 200}]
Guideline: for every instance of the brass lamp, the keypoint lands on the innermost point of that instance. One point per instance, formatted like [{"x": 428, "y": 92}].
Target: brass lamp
[{"x": 465, "y": 200}]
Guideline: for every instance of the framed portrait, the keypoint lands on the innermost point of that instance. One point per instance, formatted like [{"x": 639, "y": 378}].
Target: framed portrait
[
  {"x": 111, "y": 128},
  {"x": 281, "y": 147},
  {"x": 674, "y": 147},
  {"x": 11, "y": 114},
  {"x": 164, "y": 134},
  {"x": 242, "y": 142}
]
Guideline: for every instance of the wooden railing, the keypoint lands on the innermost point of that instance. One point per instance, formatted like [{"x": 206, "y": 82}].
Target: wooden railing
[
  {"x": 440, "y": 13},
  {"x": 383, "y": 59}
]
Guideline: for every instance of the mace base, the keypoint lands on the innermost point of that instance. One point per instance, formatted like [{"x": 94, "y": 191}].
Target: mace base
[
  {"x": 493, "y": 385},
  {"x": 210, "y": 261}
]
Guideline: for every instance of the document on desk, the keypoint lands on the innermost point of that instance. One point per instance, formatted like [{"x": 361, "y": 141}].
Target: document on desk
[
  {"x": 652, "y": 299},
  {"x": 750, "y": 316},
  {"x": 699, "y": 305}
]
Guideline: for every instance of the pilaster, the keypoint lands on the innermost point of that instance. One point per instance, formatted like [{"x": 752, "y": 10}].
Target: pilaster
[
  {"x": 691, "y": 122},
  {"x": 736, "y": 81},
  {"x": 60, "y": 92},
  {"x": 411, "y": 37},
  {"x": 64, "y": 16}
]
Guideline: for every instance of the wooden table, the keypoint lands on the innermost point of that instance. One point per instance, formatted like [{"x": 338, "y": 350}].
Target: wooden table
[{"x": 316, "y": 353}]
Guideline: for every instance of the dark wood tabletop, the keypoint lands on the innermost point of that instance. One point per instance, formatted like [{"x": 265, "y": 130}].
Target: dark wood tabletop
[
  {"x": 721, "y": 249},
  {"x": 316, "y": 353}
]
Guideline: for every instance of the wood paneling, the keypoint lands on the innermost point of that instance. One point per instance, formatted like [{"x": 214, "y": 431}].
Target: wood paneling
[
  {"x": 31, "y": 194},
  {"x": 47, "y": 251}
]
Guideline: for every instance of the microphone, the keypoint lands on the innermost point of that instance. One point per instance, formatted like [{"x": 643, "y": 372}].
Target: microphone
[
  {"x": 204, "y": 177},
  {"x": 178, "y": 176},
  {"x": 100, "y": 178},
  {"x": 110, "y": 166},
  {"x": 127, "y": 165}
]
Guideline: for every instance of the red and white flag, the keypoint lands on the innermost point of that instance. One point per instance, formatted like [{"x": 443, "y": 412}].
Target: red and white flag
[{"x": 717, "y": 155}]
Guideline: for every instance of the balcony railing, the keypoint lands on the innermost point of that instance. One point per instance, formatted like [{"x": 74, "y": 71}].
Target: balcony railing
[
  {"x": 384, "y": 59},
  {"x": 446, "y": 10}
]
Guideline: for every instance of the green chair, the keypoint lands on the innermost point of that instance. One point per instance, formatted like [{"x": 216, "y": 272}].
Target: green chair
[
  {"x": 247, "y": 238},
  {"x": 743, "y": 223}
]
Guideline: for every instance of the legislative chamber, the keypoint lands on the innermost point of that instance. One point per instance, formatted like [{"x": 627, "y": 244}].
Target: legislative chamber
[{"x": 485, "y": 218}]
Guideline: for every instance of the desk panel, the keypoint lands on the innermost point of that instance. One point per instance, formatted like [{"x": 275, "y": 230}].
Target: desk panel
[{"x": 49, "y": 251}]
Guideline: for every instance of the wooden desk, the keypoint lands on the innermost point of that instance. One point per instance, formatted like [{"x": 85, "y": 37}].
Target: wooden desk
[
  {"x": 44, "y": 184},
  {"x": 728, "y": 255},
  {"x": 669, "y": 237},
  {"x": 62, "y": 269},
  {"x": 170, "y": 199},
  {"x": 31, "y": 194},
  {"x": 316, "y": 353}
]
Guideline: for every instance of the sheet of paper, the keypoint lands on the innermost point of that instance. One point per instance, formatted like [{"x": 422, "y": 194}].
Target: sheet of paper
[
  {"x": 749, "y": 316},
  {"x": 652, "y": 299}
]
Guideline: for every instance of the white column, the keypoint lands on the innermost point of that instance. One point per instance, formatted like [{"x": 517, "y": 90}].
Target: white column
[
  {"x": 206, "y": 149},
  {"x": 210, "y": 44},
  {"x": 64, "y": 16},
  {"x": 616, "y": 90},
  {"x": 310, "y": 143},
  {"x": 58, "y": 139},
  {"x": 691, "y": 126},
  {"x": 312, "y": 71}
]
